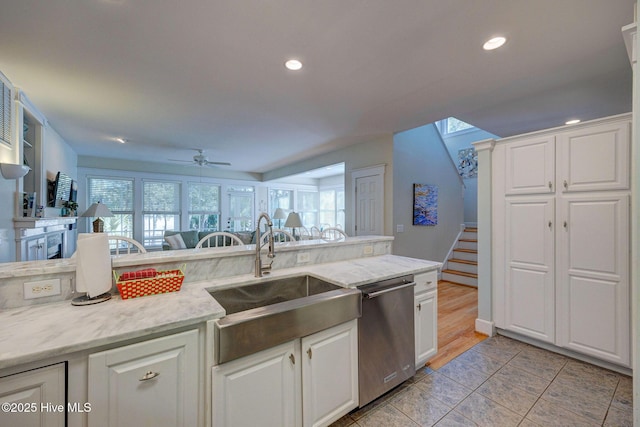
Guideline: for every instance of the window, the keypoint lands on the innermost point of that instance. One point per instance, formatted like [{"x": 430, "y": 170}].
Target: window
[
  {"x": 160, "y": 210},
  {"x": 452, "y": 125},
  {"x": 117, "y": 195},
  {"x": 279, "y": 198},
  {"x": 308, "y": 208},
  {"x": 240, "y": 208},
  {"x": 332, "y": 208},
  {"x": 204, "y": 207}
]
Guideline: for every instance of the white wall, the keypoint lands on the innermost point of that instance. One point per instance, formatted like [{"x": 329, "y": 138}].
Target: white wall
[
  {"x": 419, "y": 156},
  {"x": 58, "y": 156}
]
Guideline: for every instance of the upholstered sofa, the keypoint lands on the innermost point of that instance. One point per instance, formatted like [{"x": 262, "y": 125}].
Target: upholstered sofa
[{"x": 192, "y": 237}]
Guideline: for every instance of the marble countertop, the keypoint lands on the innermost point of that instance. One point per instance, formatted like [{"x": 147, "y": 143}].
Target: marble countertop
[{"x": 33, "y": 333}]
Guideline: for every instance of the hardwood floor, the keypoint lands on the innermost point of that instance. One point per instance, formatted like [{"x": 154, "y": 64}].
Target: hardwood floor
[{"x": 457, "y": 313}]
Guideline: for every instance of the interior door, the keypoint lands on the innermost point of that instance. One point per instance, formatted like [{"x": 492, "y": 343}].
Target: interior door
[{"x": 369, "y": 211}]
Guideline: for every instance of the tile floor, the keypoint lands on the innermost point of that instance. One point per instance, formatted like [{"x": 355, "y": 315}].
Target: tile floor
[{"x": 503, "y": 382}]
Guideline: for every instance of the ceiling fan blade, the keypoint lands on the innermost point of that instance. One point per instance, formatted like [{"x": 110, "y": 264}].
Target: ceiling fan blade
[
  {"x": 183, "y": 161},
  {"x": 219, "y": 163}
]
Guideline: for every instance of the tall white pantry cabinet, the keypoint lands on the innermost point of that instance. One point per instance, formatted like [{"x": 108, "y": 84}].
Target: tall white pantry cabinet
[{"x": 560, "y": 216}]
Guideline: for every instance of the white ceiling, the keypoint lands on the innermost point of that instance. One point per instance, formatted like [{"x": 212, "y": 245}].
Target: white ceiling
[{"x": 170, "y": 76}]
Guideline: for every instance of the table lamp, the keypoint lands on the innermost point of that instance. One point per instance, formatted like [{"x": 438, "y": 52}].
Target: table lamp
[
  {"x": 97, "y": 210},
  {"x": 279, "y": 215},
  {"x": 293, "y": 221}
]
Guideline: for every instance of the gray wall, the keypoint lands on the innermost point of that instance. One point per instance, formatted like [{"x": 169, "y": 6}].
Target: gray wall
[
  {"x": 456, "y": 143},
  {"x": 419, "y": 156}
]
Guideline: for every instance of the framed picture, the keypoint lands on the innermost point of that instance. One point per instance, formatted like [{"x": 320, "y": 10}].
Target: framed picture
[{"x": 425, "y": 204}]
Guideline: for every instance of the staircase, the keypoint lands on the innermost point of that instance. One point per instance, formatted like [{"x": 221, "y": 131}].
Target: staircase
[{"x": 462, "y": 266}]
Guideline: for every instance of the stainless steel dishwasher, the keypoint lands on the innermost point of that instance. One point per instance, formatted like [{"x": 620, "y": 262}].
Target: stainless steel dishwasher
[{"x": 386, "y": 340}]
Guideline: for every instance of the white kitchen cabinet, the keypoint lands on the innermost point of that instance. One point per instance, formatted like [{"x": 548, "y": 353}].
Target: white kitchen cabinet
[
  {"x": 529, "y": 278},
  {"x": 37, "y": 396},
  {"x": 594, "y": 158},
  {"x": 530, "y": 166},
  {"x": 329, "y": 374},
  {"x": 260, "y": 389},
  {"x": 426, "y": 326},
  {"x": 154, "y": 383},
  {"x": 561, "y": 260},
  {"x": 593, "y": 276},
  {"x": 314, "y": 377}
]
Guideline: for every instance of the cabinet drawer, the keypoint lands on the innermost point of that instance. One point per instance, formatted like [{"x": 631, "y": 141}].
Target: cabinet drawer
[{"x": 425, "y": 281}]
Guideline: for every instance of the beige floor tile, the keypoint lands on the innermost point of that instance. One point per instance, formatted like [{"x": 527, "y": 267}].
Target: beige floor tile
[
  {"x": 486, "y": 412},
  {"x": 445, "y": 389},
  {"x": 455, "y": 419},
  {"x": 578, "y": 400},
  {"x": 466, "y": 375},
  {"x": 539, "y": 362},
  {"x": 549, "y": 414},
  {"x": 387, "y": 416},
  {"x": 623, "y": 397},
  {"x": 523, "y": 379},
  {"x": 508, "y": 395},
  {"x": 617, "y": 417},
  {"x": 420, "y": 406}
]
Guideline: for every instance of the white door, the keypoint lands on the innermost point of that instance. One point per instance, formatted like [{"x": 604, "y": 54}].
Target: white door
[
  {"x": 258, "y": 390},
  {"x": 426, "y": 326},
  {"x": 593, "y": 279},
  {"x": 28, "y": 391},
  {"x": 529, "y": 281},
  {"x": 368, "y": 212},
  {"x": 153, "y": 383},
  {"x": 329, "y": 374},
  {"x": 594, "y": 158},
  {"x": 530, "y": 166}
]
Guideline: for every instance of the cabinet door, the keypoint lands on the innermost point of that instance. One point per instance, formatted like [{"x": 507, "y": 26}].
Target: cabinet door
[
  {"x": 529, "y": 278},
  {"x": 426, "y": 326},
  {"x": 329, "y": 374},
  {"x": 33, "y": 389},
  {"x": 593, "y": 276},
  {"x": 530, "y": 166},
  {"x": 36, "y": 249},
  {"x": 150, "y": 383},
  {"x": 594, "y": 158},
  {"x": 258, "y": 390}
]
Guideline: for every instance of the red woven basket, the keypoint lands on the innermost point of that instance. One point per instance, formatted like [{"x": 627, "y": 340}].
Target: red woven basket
[{"x": 164, "y": 282}]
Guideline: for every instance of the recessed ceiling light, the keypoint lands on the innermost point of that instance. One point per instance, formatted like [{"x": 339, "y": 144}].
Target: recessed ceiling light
[
  {"x": 121, "y": 140},
  {"x": 572, "y": 122},
  {"x": 293, "y": 65},
  {"x": 494, "y": 43}
]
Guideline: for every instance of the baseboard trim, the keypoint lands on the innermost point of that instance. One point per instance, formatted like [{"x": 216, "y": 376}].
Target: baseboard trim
[{"x": 485, "y": 327}]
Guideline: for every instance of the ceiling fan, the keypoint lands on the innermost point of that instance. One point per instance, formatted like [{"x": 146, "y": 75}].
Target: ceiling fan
[{"x": 201, "y": 160}]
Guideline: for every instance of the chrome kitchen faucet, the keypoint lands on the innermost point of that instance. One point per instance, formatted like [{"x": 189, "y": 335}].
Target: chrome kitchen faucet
[{"x": 260, "y": 269}]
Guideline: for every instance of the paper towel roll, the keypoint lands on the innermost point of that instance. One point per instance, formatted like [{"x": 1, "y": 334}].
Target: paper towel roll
[{"x": 93, "y": 264}]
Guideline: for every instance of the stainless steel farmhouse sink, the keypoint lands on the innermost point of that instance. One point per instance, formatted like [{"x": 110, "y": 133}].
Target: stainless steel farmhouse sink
[{"x": 272, "y": 312}]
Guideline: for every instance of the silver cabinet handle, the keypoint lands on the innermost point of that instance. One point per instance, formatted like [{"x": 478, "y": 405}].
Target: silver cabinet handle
[
  {"x": 566, "y": 185},
  {"x": 292, "y": 358},
  {"x": 310, "y": 353},
  {"x": 549, "y": 225},
  {"x": 419, "y": 307},
  {"x": 149, "y": 376},
  {"x": 550, "y": 186},
  {"x": 564, "y": 224}
]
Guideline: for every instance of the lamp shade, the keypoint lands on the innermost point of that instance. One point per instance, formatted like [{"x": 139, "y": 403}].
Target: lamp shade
[
  {"x": 293, "y": 220},
  {"x": 279, "y": 214},
  {"x": 97, "y": 210},
  {"x": 12, "y": 171}
]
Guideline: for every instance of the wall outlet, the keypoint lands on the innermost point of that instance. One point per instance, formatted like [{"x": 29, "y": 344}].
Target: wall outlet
[
  {"x": 304, "y": 257},
  {"x": 41, "y": 288},
  {"x": 400, "y": 228},
  {"x": 367, "y": 250}
]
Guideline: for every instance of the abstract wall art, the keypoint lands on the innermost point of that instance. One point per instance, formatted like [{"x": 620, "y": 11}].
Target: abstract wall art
[{"x": 425, "y": 204}]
